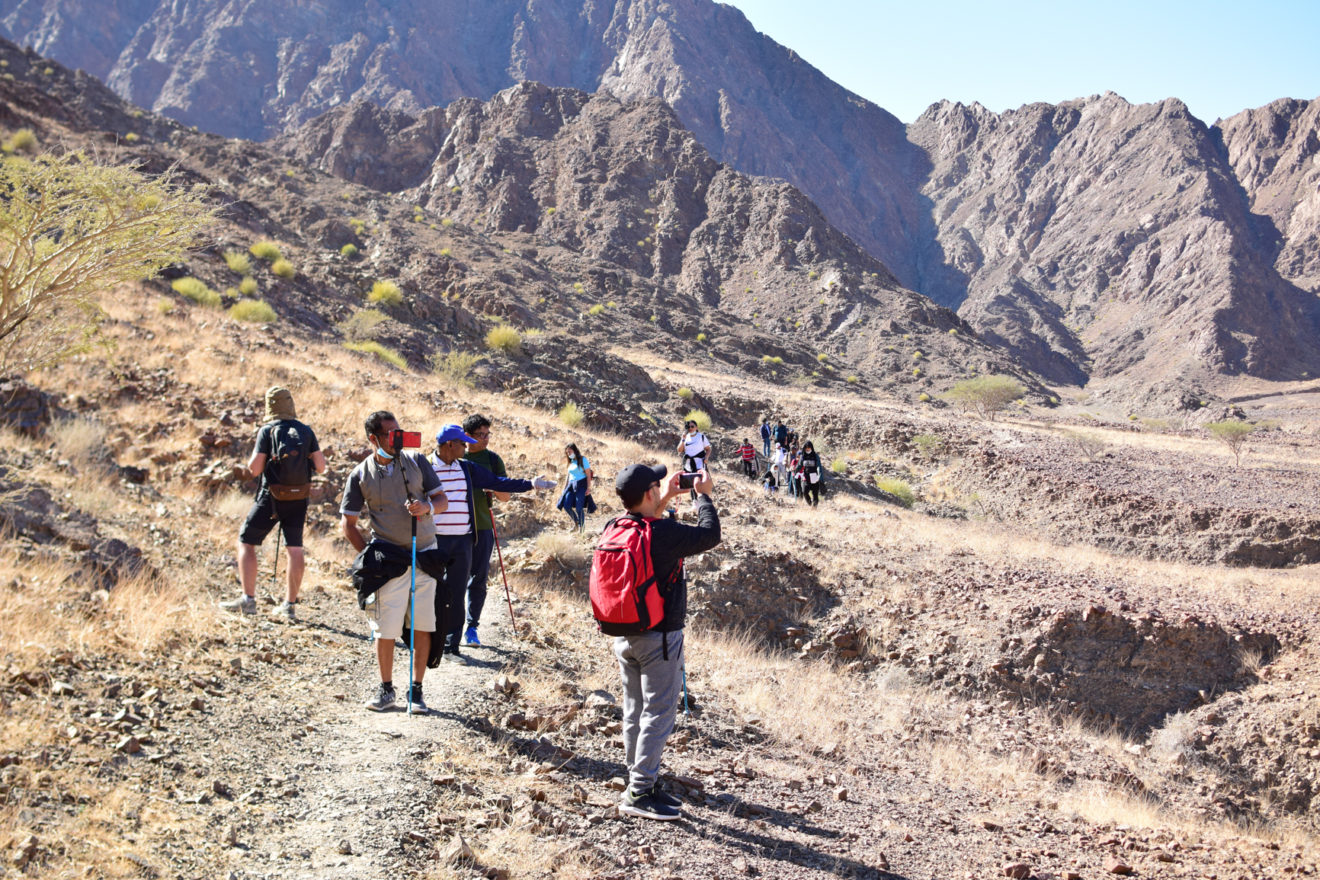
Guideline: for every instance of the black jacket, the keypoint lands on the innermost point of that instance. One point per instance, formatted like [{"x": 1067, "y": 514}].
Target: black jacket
[
  {"x": 482, "y": 478},
  {"x": 380, "y": 562},
  {"x": 671, "y": 542}
]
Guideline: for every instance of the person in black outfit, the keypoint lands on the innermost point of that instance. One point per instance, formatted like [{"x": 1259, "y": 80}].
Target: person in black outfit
[{"x": 809, "y": 465}]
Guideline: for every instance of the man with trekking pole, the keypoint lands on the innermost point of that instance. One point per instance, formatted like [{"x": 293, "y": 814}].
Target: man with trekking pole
[
  {"x": 395, "y": 573},
  {"x": 284, "y": 456},
  {"x": 639, "y": 596}
]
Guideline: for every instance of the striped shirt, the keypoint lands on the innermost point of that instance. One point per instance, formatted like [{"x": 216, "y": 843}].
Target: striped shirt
[{"x": 455, "y": 519}]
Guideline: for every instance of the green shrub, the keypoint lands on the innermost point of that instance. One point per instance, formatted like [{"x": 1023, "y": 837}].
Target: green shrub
[
  {"x": 253, "y": 310},
  {"x": 456, "y": 365},
  {"x": 928, "y": 445},
  {"x": 22, "y": 141},
  {"x": 774, "y": 361},
  {"x": 504, "y": 338},
  {"x": 597, "y": 309},
  {"x": 266, "y": 250},
  {"x": 571, "y": 415},
  {"x": 839, "y": 465},
  {"x": 685, "y": 393},
  {"x": 131, "y": 137},
  {"x": 197, "y": 291},
  {"x": 349, "y": 251},
  {"x": 283, "y": 268},
  {"x": 900, "y": 490},
  {"x": 374, "y": 348},
  {"x": 701, "y": 337},
  {"x": 923, "y": 397},
  {"x": 362, "y": 325},
  {"x": 248, "y": 286},
  {"x": 447, "y": 222},
  {"x": 611, "y": 305},
  {"x": 852, "y": 380},
  {"x": 985, "y": 395},
  {"x": 385, "y": 293},
  {"x": 164, "y": 306},
  {"x": 822, "y": 357},
  {"x": 701, "y": 418},
  {"x": 1233, "y": 434}
]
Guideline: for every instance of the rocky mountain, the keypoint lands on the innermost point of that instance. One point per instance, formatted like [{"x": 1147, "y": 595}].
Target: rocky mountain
[
  {"x": 1101, "y": 239},
  {"x": 1273, "y": 152},
  {"x": 1035, "y": 224}
]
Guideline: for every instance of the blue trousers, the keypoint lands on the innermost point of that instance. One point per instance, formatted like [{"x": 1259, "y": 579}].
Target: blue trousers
[{"x": 476, "y": 585}]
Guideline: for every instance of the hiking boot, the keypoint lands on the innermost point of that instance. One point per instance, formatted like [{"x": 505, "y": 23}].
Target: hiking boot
[
  {"x": 418, "y": 705},
  {"x": 383, "y": 700},
  {"x": 647, "y": 806},
  {"x": 285, "y": 611},
  {"x": 241, "y": 605},
  {"x": 470, "y": 637}
]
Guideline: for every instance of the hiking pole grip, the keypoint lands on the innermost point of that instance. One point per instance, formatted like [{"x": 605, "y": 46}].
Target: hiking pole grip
[{"x": 507, "y": 598}]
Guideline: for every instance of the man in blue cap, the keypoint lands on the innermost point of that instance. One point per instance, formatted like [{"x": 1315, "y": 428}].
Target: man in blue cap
[{"x": 456, "y": 530}]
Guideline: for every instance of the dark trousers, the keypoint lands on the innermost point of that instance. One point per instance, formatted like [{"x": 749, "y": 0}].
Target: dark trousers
[
  {"x": 749, "y": 467},
  {"x": 456, "y": 553},
  {"x": 811, "y": 492},
  {"x": 476, "y": 585}
]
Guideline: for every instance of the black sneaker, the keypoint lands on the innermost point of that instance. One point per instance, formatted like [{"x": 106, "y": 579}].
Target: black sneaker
[
  {"x": 648, "y": 806},
  {"x": 383, "y": 700},
  {"x": 665, "y": 797},
  {"x": 417, "y": 704}
]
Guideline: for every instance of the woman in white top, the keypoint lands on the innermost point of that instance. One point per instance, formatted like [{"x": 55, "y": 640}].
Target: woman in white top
[{"x": 694, "y": 447}]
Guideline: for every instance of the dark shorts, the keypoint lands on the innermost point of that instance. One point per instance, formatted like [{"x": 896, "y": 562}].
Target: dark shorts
[{"x": 266, "y": 512}]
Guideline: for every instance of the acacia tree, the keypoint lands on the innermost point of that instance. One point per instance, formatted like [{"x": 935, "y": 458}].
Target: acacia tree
[
  {"x": 72, "y": 227},
  {"x": 1233, "y": 434},
  {"x": 986, "y": 395}
]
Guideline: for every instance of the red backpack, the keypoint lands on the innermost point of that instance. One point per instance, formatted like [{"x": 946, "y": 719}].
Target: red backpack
[{"x": 623, "y": 587}]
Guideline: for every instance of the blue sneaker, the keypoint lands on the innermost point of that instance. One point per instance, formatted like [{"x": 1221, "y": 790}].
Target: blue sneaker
[{"x": 470, "y": 637}]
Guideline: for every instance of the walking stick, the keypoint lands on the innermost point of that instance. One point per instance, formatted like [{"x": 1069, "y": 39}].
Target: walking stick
[
  {"x": 507, "y": 597},
  {"x": 275, "y": 569},
  {"x": 412, "y": 609}
]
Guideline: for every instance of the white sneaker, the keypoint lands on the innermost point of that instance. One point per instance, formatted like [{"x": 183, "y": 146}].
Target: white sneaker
[
  {"x": 242, "y": 605},
  {"x": 285, "y": 610}
]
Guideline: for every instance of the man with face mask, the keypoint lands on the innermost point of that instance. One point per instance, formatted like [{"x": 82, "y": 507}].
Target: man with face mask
[{"x": 400, "y": 491}]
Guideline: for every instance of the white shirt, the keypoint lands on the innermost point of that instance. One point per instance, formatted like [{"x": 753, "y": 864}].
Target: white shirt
[
  {"x": 455, "y": 519},
  {"x": 693, "y": 444}
]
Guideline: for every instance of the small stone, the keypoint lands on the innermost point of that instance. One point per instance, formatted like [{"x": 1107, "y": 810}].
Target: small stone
[
  {"x": 742, "y": 866},
  {"x": 1072, "y": 875},
  {"x": 235, "y": 665},
  {"x": 62, "y": 689},
  {"x": 457, "y": 851},
  {"x": 618, "y": 783},
  {"x": 197, "y": 704},
  {"x": 841, "y": 793},
  {"x": 645, "y": 854},
  {"x": 231, "y": 835},
  {"x": 1118, "y": 866},
  {"x": 990, "y": 826},
  {"x": 814, "y": 807},
  {"x": 1017, "y": 870},
  {"x": 24, "y": 851},
  {"x": 129, "y": 745},
  {"x": 221, "y": 789},
  {"x": 882, "y": 862},
  {"x": 344, "y": 848}
]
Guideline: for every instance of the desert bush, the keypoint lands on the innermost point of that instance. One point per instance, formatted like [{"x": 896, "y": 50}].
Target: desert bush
[
  {"x": 839, "y": 465},
  {"x": 385, "y": 293},
  {"x": 71, "y": 228},
  {"x": 197, "y": 291},
  {"x": 564, "y": 549},
  {"x": 374, "y": 348},
  {"x": 775, "y": 361},
  {"x": 571, "y": 415},
  {"x": 348, "y": 251},
  {"x": 852, "y": 380},
  {"x": 685, "y": 393},
  {"x": 597, "y": 309},
  {"x": 253, "y": 310},
  {"x": 248, "y": 286},
  {"x": 701, "y": 337},
  {"x": 456, "y": 365},
  {"x": 283, "y": 268},
  {"x": 899, "y": 489},
  {"x": 362, "y": 325},
  {"x": 265, "y": 250},
  {"x": 1088, "y": 443},
  {"x": 1233, "y": 434},
  {"x": 985, "y": 395},
  {"x": 505, "y": 339},
  {"x": 238, "y": 262},
  {"x": 22, "y": 141},
  {"x": 701, "y": 418},
  {"x": 928, "y": 446},
  {"x": 923, "y": 397}
]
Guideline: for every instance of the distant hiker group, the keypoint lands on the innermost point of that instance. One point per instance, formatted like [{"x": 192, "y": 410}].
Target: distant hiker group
[{"x": 789, "y": 465}]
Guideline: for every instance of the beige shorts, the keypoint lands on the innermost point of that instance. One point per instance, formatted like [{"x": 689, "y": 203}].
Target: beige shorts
[{"x": 388, "y": 608}]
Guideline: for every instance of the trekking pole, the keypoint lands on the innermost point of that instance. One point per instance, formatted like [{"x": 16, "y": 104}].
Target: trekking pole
[
  {"x": 687, "y": 713},
  {"x": 507, "y": 598},
  {"x": 275, "y": 569},
  {"x": 412, "y": 608}
]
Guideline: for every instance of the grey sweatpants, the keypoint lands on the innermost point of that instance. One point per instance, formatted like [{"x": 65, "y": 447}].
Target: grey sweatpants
[{"x": 651, "y": 685}]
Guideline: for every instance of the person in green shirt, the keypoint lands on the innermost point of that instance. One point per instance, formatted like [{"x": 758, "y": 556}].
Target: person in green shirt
[{"x": 477, "y": 426}]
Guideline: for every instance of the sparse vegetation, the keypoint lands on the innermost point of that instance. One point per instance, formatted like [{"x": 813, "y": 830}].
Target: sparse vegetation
[
  {"x": 248, "y": 286},
  {"x": 595, "y": 310},
  {"x": 700, "y": 417},
  {"x": 283, "y": 268},
  {"x": 22, "y": 141},
  {"x": 571, "y": 415},
  {"x": 381, "y": 352},
  {"x": 362, "y": 325},
  {"x": 504, "y": 338},
  {"x": 254, "y": 311},
  {"x": 196, "y": 290},
  {"x": 839, "y": 465},
  {"x": 1088, "y": 443},
  {"x": 928, "y": 446},
  {"x": 265, "y": 250},
  {"x": 822, "y": 357},
  {"x": 456, "y": 366},
  {"x": 898, "y": 489},
  {"x": 385, "y": 293},
  {"x": 985, "y": 395},
  {"x": 684, "y": 393},
  {"x": 348, "y": 251},
  {"x": 701, "y": 337},
  {"x": 1233, "y": 434}
]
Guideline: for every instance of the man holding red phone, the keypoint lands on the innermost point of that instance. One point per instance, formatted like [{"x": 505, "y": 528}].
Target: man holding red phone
[{"x": 400, "y": 491}]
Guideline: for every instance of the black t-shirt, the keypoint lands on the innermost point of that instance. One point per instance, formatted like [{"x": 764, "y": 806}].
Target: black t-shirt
[{"x": 288, "y": 445}]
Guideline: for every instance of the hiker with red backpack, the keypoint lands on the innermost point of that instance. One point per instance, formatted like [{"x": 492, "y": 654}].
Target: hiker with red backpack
[{"x": 639, "y": 596}]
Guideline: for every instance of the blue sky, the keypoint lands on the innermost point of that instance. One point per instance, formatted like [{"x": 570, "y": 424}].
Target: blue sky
[{"x": 1218, "y": 57}]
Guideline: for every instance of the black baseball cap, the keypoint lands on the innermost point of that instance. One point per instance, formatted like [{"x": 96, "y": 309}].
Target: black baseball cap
[{"x": 637, "y": 478}]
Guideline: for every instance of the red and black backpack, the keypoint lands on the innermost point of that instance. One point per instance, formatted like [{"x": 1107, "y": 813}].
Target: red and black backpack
[{"x": 624, "y": 592}]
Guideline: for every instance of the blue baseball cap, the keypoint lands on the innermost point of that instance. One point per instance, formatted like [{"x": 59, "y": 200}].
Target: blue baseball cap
[{"x": 453, "y": 432}]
